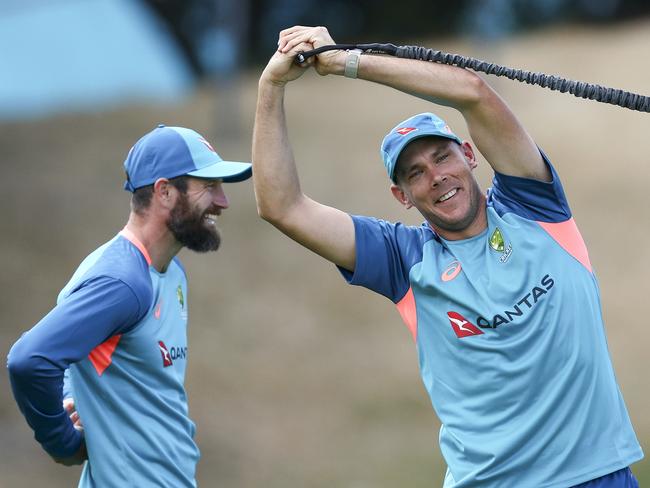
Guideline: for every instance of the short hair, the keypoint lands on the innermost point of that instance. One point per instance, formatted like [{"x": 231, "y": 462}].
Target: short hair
[
  {"x": 398, "y": 173},
  {"x": 141, "y": 198}
]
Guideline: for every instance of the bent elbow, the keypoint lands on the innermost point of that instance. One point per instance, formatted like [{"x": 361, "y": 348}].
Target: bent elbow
[
  {"x": 277, "y": 219},
  {"x": 20, "y": 363},
  {"x": 278, "y": 211},
  {"x": 267, "y": 205},
  {"x": 25, "y": 362},
  {"x": 477, "y": 90},
  {"x": 266, "y": 213}
]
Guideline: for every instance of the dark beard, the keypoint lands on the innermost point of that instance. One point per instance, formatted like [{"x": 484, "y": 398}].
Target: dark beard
[{"x": 189, "y": 229}]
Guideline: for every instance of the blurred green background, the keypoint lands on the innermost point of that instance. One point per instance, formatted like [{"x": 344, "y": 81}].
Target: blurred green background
[{"x": 296, "y": 379}]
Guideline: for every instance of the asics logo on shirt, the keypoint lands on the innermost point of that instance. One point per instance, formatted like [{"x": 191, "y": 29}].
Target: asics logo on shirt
[{"x": 451, "y": 272}]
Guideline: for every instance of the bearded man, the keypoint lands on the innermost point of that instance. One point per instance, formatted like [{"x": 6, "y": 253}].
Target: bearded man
[{"x": 113, "y": 350}]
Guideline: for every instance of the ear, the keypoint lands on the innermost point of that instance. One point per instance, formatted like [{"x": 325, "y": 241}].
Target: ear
[
  {"x": 164, "y": 193},
  {"x": 468, "y": 152},
  {"x": 400, "y": 196}
]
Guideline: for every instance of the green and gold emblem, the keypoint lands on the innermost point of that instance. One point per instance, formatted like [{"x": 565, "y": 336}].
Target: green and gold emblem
[
  {"x": 499, "y": 244},
  {"x": 179, "y": 294},
  {"x": 496, "y": 241}
]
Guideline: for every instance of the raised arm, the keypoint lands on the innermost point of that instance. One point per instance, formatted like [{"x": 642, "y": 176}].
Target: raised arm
[
  {"x": 495, "y": 130},
  {"x": 325, "y": 230}
]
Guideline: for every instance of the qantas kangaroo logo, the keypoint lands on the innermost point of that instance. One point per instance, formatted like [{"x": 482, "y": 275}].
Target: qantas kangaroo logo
[
  {"x": 166, "y": 358},
  {"x": 462, "y": 327},
  {"x": 405, "y": 130}
]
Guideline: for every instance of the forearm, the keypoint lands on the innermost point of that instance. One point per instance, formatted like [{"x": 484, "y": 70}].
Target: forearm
[
  {"x": 37, "y": 386},
  {"x": 442, "y": 84},
  {"x": 495, "y": 130},
  {"x": 276, "y": 182},
  {"x": 493, "y": 127},
  {"x": 38, "y": 360}
]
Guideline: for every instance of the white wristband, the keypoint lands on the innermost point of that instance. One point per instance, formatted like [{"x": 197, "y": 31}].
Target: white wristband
[{"x": 352, "y": 63}]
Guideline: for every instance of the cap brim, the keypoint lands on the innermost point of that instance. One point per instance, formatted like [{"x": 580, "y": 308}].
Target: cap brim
[
  {"x": 422, "y": 134},
  {"x": 228, "y": 171}
]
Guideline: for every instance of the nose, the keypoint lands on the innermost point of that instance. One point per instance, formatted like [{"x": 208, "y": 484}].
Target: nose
[
  {"x": 437, "y": 179},
  {"x": 219, "y": 197}
]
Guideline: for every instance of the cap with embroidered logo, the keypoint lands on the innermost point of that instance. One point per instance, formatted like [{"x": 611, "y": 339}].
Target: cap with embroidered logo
[
  {"x": 420, "y": 125},
  {"x": 168, "y": 152}
]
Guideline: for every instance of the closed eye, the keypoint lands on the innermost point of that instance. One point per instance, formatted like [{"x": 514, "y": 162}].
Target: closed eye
[
  {"x": 415, "y": 173},
  {"x": 212, "y": 186}
]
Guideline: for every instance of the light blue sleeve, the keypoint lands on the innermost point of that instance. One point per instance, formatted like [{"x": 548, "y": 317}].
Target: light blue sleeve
[{"x": 67, "y": 386}]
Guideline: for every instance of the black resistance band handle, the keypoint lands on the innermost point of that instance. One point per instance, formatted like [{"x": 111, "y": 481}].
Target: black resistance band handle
[{"x": 579, "y": 89}]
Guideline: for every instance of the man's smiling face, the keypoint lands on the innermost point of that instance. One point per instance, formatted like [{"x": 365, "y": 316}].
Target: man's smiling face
[
  {"x": 192, "y": 221},
  {"x": 434, "y": 175}
]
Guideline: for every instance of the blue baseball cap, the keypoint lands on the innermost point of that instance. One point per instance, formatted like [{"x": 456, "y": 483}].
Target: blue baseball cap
[
  {"x": 168, "y": 152},
  {"x": 420, "y": 125}
]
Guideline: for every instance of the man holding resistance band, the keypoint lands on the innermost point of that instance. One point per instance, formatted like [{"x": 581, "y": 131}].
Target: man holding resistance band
[{"x": 497, "y": 289}]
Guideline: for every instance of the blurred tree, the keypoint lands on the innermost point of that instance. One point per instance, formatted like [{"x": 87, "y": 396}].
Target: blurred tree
[{"x": 219, "y": 34}]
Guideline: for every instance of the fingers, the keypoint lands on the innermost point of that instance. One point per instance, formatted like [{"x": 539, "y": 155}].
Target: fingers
[
  {"x": 290, "y": 38},
  {"x": 303, "y": 47},
  {"x": 68, "y": 405},
  {"x": 287, "y": 41},
  {"x": 76, "y": 421},
  {"x": 291, "y": 30},
  {"x": 281, "y": 68},
  {"x": 291, "y": 33},
  {"x": 300, "y": 47},
  {"x": 74, "y": 417}
]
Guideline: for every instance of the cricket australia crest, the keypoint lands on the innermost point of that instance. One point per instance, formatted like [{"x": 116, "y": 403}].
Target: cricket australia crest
[{"x": 499, "y": 244}]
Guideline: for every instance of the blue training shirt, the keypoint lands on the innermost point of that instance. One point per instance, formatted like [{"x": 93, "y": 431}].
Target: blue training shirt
[
  {"x": 120, "y": 328},
  {"x": 510, "y": 340}
]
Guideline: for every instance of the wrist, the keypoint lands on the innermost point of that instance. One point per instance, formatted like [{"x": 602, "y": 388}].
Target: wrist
[
  {"x": 352, "y": 60},
  {"x": 270, "y": 95},
  {"x": 331, "y": 63},
  {"x": 266, "y": 81}
]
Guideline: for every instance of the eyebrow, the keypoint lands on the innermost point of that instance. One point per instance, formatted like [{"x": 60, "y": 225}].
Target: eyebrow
[
  {"x": 442, "y": 147},
  {"x": 210, "y": 181},
  {"x": 402, "y": 170}
]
